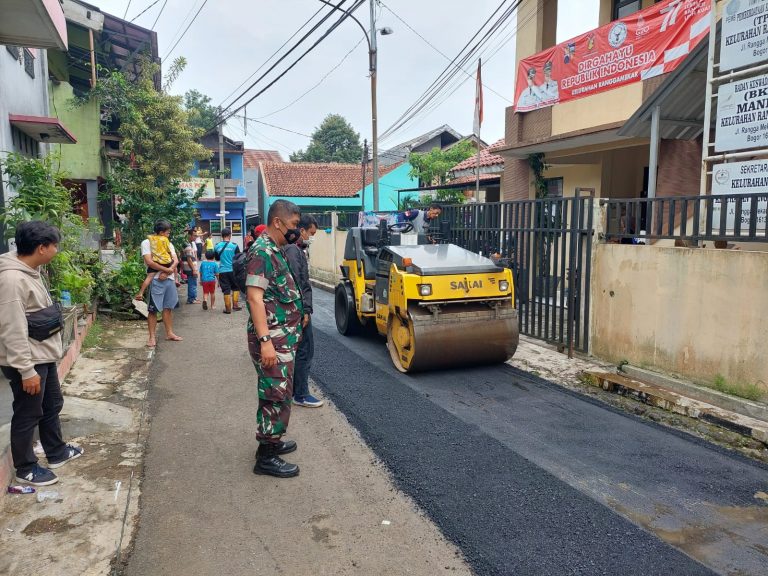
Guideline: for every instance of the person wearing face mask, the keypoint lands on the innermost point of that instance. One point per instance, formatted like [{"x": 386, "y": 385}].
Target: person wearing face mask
[
  {"x": 296, "y": 254},
  {"x": 274, "y": 330}
]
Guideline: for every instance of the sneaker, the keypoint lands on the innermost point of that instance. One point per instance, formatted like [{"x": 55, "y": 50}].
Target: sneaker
[
  {"x": 237, "y": 308},
  {"x": 308, "y": 401},
  {"x": 71, "y": 453},
  {"x": 38, "y": 476},
  {"x": 227, "y": 311},
  {"x": 205, "y": 305}
]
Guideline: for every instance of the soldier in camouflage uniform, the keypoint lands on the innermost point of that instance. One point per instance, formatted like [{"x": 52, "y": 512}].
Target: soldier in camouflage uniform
[{"x": 274, "y": 330}]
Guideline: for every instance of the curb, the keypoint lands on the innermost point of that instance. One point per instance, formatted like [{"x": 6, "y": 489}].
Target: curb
[
  {"x": 324, "y": 286},
  {"x": 740, "y": 405},
  {"x": 679, "y": 404}
]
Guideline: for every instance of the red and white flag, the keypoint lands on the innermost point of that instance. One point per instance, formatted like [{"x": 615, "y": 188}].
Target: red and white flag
[{"x": 478, "y": 101}]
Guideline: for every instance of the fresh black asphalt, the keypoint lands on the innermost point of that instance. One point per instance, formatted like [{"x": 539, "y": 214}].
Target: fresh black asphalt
[{"x": 525, "y": 477}]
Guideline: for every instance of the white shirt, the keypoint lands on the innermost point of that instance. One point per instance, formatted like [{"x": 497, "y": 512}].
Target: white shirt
[{"x": 146, "y": 249}]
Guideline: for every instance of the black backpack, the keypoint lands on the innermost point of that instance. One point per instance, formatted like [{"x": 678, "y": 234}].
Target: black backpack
[{"x": 240, "y": 271}]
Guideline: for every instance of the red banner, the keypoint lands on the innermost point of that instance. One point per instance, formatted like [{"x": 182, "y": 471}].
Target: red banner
[{"x": 645, "y": 44}]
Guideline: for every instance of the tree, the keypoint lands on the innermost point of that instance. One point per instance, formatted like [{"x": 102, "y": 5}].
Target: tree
[
  {"x": 159, "y": 145},
  {"x": 201, "y": 114},
  {"x": 334, "y": 141},
  {"x": 431, "y": 168}
]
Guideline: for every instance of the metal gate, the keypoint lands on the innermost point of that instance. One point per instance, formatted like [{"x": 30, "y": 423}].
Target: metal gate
[{"x": 547, "y": 243}]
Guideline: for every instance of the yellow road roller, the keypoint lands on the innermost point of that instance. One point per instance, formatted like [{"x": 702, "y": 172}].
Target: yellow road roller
[{"x": 438, "y": 305}]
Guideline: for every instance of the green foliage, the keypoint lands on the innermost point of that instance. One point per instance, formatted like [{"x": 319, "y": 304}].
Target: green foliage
[
  {"x": 160, "y": 145},
  {"x": 334, "y": 141},
  {"x": 748, "y": 391},
  {"x": 40, "y": 195},
  {"x": 201, "y": 113},
  {"x": 116, "y": 288},
  {"x": 538, "y": 167},
  {"x": 93, "y": 337},
  {"x": 431, "y": 168}
]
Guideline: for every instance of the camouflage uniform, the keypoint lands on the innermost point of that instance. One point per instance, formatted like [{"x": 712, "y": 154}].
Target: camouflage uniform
[{"x": 268, "y": 269}]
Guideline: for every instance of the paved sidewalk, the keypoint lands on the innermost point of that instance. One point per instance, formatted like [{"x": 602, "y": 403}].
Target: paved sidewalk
[{"x": 204, "y": 512}]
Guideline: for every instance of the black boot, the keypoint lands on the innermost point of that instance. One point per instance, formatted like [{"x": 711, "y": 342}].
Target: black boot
[
  {"x": 269, "y": 463},
  {"x": 283, "y": 447}
]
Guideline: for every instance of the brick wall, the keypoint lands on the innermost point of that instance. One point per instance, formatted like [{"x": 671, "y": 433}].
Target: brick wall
[
  {"x": 679, "y": 168},
  {"x": 529, "y": 127},
  {"x": 516, "y": 182}
]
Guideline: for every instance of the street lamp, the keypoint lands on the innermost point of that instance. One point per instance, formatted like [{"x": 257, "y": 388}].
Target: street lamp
[{"x": 372, "y": 68}]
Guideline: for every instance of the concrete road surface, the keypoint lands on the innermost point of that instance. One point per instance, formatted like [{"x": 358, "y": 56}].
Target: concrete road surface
[{"x": 203, "y": 511}]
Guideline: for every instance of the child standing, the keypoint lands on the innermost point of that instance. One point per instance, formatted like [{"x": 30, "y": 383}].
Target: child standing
[{"x": 209, "y": 272}]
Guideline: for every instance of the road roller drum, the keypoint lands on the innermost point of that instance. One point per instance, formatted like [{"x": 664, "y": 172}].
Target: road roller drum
[{"x": 438, "y": 305}]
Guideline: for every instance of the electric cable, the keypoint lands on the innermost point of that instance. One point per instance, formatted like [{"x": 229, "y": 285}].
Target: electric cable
[
  {"x": 145, "y": 9},
  {"x": 323, "y": 79},
  {"x": 299, "y": 59},
  {"x": 275, "y": 53},
  {"x": 162, "y": 8},
  {"x": 439, "y": 86},
  {"x": 465, "y": 54},
  {"x": 294, "y": 47},
  {"x": 440, "y": 52},
  {"x": 186, "y": 29}
]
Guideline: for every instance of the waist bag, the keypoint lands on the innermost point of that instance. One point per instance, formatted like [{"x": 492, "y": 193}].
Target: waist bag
[{"x": 45, "y": 323}]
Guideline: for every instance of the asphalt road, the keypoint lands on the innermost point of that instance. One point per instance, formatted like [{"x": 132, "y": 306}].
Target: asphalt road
[{"x": 528, "y": 478}]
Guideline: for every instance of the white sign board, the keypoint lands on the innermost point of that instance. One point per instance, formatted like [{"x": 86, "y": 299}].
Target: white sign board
[
  {"x": 742, "y": 115},
  {"x": 740, "y": 178},
  {"x": 744, "y": 35}
]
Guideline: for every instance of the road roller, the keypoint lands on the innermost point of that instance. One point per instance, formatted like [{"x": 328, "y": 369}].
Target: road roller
[{"x": 439, "y": 305}]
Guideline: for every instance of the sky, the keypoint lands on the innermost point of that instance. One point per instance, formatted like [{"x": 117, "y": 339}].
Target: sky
[{"x": 231, "y": 39}]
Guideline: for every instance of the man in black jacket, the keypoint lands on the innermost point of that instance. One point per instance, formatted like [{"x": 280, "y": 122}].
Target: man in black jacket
[{"x": 296, "y": 254}]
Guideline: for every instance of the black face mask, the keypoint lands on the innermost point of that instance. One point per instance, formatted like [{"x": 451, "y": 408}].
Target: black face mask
[{"x": 291, "y": 235}]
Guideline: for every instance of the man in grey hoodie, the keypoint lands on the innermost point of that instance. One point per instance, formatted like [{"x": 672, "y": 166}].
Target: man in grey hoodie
[{"x": 29, "y": 364}]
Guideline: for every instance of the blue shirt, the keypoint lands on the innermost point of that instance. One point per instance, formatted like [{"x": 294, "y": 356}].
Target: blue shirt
[
  {"x": 227, "y": 255},
  {"x": 208, "y": 271}
]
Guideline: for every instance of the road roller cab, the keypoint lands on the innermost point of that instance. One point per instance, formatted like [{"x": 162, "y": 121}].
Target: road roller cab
[{"x": 439, "y": 305}]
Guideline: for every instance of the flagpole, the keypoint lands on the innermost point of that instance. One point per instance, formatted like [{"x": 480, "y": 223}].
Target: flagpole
[{"x": 478, "y": 125}]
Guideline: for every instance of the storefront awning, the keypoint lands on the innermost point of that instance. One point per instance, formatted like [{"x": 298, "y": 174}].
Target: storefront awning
[
  {"x": 33, "y": 24},
  {"x": 42, "y": 129}
]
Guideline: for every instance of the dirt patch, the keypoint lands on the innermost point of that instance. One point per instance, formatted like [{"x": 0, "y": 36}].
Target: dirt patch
[{"x": 47, "y": 524}]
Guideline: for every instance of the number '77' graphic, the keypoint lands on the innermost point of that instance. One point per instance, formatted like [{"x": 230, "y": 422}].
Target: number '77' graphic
[{"x": 671, "y": 12}]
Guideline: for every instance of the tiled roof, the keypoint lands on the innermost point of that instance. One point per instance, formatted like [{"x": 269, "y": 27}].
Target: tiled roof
[
  {"x": 473, "y": 179},
  {"x": 305, "y": 179},
  {"x": 487, "y": 158},
  {"x": 251, "y": 158},
  {"x": 400, "y": 152}
]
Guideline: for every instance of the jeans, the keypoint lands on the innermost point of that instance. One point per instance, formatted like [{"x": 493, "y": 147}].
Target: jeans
[
  {"x": 39, "y": 411},
  {"x": 191, "y": 288},
  {"x": 304, "y": 356}
]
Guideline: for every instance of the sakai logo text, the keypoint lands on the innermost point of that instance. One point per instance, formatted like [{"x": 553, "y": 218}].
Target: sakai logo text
[{"x": 466, "y": 285}]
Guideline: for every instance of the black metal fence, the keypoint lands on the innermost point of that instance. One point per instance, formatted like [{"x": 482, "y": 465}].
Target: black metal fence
[
  {"x": 722, "y": 218},
  {"x": 548, "y": 245},
  {"x": 345, "y": 219}
]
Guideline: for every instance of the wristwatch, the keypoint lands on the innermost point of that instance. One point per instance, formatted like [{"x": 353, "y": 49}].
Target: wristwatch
[{"x": 266, "y": 338}]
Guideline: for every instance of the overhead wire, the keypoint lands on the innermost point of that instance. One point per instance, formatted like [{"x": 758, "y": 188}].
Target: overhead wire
[
  {"x": 327, "y": 33},
  {"x": 125, "y": 14},
  {"x": 186, "y": 29},
  {"x": 143, "y": 11},
  {"x": 440, "y": 52},
  {"x": 296, "y": 45},
  {"x": 492, "y": 51},
  {"x": 317, "y": 85},
  {"x": 466, "y": 54},
  {"x": 275, "y": 53},
  {"x": 162, "y": 9}
]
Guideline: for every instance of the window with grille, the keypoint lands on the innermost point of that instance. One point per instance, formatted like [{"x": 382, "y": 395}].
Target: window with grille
[
  {"x": 29, "y": 63},
  {"x": 14, "y": 51}
]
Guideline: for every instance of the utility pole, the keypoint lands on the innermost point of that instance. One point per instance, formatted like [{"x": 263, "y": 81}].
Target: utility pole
[
  {"x": 222, "y": 198},
  {"x": 365, "y": 165},
  {"x": 374, "y": 109}
]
